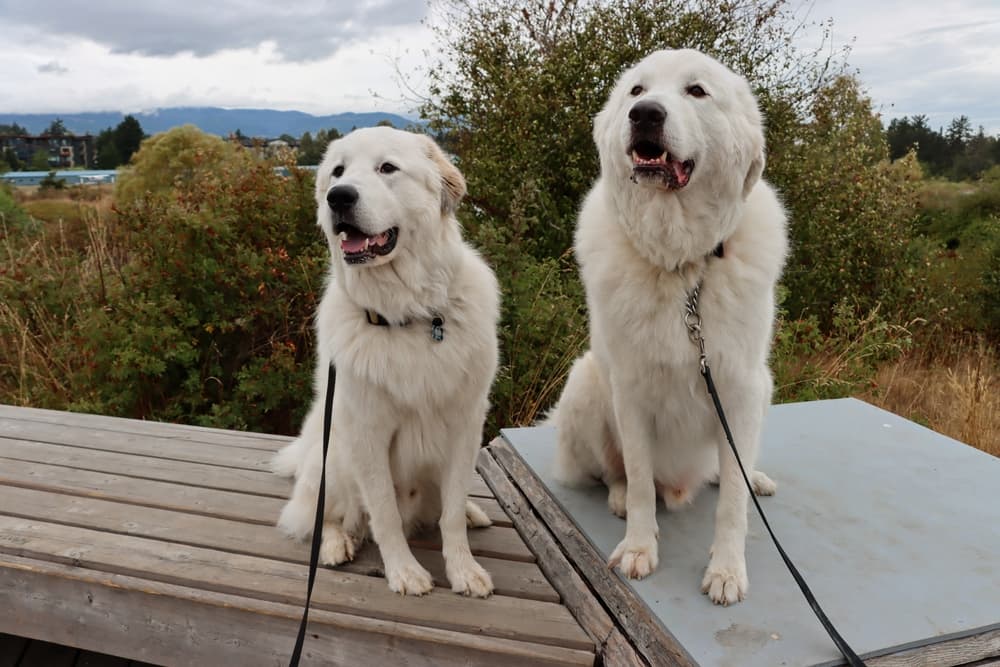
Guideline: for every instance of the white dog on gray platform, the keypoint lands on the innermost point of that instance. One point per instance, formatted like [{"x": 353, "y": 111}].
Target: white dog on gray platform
[
  {"x": 409, "y": 320},
  {"x": 679, "y": 204}
]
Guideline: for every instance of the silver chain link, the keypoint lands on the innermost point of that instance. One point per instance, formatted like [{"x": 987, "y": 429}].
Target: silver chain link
[{"x": 692, "y": 320}]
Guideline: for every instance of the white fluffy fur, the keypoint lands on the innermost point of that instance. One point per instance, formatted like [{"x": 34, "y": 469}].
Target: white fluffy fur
[
  {"x": 408, "y": 410},
  {"x": 635, "y": 406}
]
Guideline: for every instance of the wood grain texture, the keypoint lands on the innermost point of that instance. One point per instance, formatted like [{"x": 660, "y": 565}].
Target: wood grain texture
[
  {"x": 960, "y": 651},
  {"x": 253, "y": 577},
  {"x": 577, "y": 596},
  {"x": 205, "y": 475},
  {"x": 170, "y": 624},
  {"x": 176, "y": 432},
  {"x": 657, "y": 645},
  {"x": 518, "y": 577}
]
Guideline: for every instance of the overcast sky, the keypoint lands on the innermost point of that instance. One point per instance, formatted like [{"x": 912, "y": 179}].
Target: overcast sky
[{"x": 935, "y": 57}]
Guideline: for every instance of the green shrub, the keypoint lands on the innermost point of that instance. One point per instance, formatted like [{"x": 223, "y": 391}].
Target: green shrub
[{"x": 194, "y": 304}]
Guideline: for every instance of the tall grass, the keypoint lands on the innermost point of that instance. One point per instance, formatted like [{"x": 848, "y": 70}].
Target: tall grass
[{"x": 957, "y": 394}]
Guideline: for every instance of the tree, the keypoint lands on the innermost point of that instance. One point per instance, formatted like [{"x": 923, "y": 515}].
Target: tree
[
  {"x": 107, "y": 153},
  {"x": 311, "y": 149},
  {"x": 174, "y": 159},
  {"x": 128, "y": 136},
  {"x": 851, "y": 210},
  {"x": 57, "y": 129},
  {"x": 13, "y": 128},
  {"x": 10, "y": 161},
  {"x": 958, "y": 134},
  {"x": 40, "y": 160}
]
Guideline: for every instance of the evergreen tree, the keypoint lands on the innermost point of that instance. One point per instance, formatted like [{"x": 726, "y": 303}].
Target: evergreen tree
[
  {"x": 57, "y": 129},
  {"x": 128, "y": 136}
]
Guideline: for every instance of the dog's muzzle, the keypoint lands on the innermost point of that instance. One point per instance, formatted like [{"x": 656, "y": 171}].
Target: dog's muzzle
[{"x": 651, "y": 159}]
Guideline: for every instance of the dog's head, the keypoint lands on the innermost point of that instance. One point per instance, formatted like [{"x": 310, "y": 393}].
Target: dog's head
[
  {"x": 381, "y": 191},
  {"x": 680, "y": 121}
]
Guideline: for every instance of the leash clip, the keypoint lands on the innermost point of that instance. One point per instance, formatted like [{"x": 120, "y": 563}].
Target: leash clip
[{"x": 692, "y": 320}]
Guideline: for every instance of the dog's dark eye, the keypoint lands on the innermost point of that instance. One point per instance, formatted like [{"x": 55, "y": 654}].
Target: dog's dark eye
[
  {"x": 387, "y": 168},
  {"x": 636, "y": 90},
  {"x": 696, "y": 91},
  {"x": 338, "y": 171}
]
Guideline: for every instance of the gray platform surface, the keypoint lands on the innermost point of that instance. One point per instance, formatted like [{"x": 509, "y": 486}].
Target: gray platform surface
[{"x": 896, "y": 528}]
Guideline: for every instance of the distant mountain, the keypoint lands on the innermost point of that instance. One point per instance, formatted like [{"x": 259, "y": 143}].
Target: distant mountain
[{"x": 213, "y": 120}]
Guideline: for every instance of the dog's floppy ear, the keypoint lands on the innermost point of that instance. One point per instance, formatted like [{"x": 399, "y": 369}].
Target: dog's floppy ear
[
  {"x": 452, "y": 181},
  {"x": 755, "y": 171}
]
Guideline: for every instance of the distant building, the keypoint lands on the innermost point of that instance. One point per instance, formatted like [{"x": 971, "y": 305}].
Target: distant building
[
  {"x": 78, "y": 177},
  {"x": 63, "y": 152}
]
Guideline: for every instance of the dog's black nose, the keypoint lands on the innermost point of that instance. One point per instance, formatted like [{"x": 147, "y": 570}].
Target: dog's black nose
[
  {"x": 647, "y": 114},
  {"x": 342, "y": 197}
]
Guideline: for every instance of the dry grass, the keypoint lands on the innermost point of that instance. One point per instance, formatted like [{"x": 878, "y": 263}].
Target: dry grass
[
  {"x": 74, "y": 252},
  {"x": 957, "y": 395}
]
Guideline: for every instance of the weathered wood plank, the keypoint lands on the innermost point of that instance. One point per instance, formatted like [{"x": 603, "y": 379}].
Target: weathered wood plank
[
  {"x": 249, "y": 576},
  {"x": 960, "y": 651},
  {"x": 479, "y": 487},
  {"x": 134, "y": 465},
  {"x": 129, "y": 443},
  {"x": 133, "y": 490},
  {"x": 517, "y": 578},
  {"x": 176, "y": 432},
  {"x": 165, "y": 495},
  {"x": 171, "y": 624},
  {"x": 653, "y": 641},
  {"x": 576, "y": 594}
]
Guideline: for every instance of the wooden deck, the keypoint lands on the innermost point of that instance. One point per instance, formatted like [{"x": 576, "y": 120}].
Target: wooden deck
[{"x": 155, "y": 543}]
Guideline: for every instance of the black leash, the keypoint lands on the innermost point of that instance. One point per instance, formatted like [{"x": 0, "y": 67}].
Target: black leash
[
  {"x": 693, "y": 322},
  {"x": 317, "y": 538}
]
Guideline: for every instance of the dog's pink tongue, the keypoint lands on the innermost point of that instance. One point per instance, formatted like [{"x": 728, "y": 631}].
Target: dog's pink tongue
[
  {"x": 679, "y": 173},
  {"x": 354, "y": 243}
]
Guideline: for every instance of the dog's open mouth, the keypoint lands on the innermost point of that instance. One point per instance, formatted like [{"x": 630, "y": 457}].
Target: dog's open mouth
[
  {"x": 359, "y": 247},
  {"x": 653, "y": 160}
]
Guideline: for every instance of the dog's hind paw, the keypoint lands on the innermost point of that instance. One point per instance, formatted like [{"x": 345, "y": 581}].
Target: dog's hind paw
[
  {"x": 616, "y": 498},
  {"x": 475, "y": 517},
  {"x": 337, "y": 547},
  {"x": 285, "y": 462},
  {"x": 762, "y": 484},
  {"x": 635, "y": 561},
  {"x": 409, "y": 579},
  {"x": 725, "y": 586}
]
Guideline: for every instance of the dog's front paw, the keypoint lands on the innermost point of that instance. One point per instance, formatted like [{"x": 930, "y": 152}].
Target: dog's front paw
[
  {"x": 338, "y": 546},
  {"x": 470, "y": 578},
  {"x": 726, "y": 585},
  {"x": 409, "y": 579},
  {"x": 475, "y": 517},
  {"x": 634, "y": 560}
]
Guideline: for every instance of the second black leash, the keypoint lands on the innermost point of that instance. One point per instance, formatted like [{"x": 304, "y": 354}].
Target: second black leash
[
  {"x": 692, "y": 319},
  {"x": 317, "y": 538}
]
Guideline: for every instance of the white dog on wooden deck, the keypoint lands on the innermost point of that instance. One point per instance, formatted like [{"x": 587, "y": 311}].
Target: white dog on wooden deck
[
  {"x": 409, "y": 319},
  {"x": 679, "y": 203}
]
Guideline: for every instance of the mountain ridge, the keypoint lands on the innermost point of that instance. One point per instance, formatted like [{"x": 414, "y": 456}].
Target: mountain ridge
[{"x": 269, "y": 123}]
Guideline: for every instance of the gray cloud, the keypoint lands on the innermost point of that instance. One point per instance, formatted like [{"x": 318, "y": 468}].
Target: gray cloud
[
  {"x": 52, "y": 67},
  {"x": 302, "y": 30}
]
